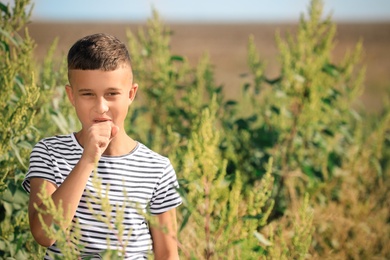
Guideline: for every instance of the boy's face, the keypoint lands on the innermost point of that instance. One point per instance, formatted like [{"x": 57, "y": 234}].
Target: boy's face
[{"x": 101, "y": 95}]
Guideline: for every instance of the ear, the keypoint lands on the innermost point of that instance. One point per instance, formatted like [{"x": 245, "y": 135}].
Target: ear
[
  {"x": 133, "y": 91},
  {"x": 69, "y": 92}
]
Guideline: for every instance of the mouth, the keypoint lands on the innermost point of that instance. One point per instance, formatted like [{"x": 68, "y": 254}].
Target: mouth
[{"x": 100, "y": 120}]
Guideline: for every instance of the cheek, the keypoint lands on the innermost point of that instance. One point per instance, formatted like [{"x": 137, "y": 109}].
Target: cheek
[
  {"x": 82, "y": 109},
  {"x": 121, "y": 109}
]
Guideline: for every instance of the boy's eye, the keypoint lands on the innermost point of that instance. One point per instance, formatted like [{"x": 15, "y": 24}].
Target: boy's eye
[
  {"x": 112, "y": 93},
  {"x": 87, "y": 94}
]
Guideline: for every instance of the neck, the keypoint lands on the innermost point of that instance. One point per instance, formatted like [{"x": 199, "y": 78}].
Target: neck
[{"x": 121, "y": 144}]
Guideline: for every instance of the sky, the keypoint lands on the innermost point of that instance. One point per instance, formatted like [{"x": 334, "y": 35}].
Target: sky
[{"x": 205, "y": 10}]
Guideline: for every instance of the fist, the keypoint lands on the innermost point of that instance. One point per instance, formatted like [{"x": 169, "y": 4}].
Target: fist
[{"x": 99, "y": 136}]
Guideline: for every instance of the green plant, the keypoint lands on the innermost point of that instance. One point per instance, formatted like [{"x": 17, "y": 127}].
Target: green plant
[
  {"x": 19, "y": 94},
  {"x": 111, "y": 214},
  {"x": 171, "y": 93},
  {"x": 19, "y": 91},
  {"x": 304, "y": 118},
  {"x": 303, "y": 121},
  {"x": 220, "y": 217},
  {"x": 53, "y": 105},
  {"x": 293, "y": 235},
  {"x": 355, "y": 202}
]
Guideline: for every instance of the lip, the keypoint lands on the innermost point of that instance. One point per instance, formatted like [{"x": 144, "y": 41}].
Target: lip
[{"x": 101, "y": 119}]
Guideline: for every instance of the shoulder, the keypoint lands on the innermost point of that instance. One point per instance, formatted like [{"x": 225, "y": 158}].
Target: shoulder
[
  {"x": 57, "y": 143},
  {"x": 145, "y": 153},
  {"x": 57, "y": 139}
]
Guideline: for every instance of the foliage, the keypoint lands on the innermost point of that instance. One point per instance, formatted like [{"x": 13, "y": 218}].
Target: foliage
[
  {"x": 68, "y": 240},
  {"x": 294, "y": 239},
  {"x": 215, "y": 219},
  {"x": 303, "y": 118},
  {"x": 288, "y": 171},
  {"x": 360, "y": 191},
  {"x": 171, "y": 93},
  {"x": 19, "y": 94},
  {"x": 53, "y": 105}
]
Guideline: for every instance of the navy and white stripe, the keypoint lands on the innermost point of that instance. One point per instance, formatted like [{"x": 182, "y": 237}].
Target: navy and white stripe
[{"x": 142, "y": 177}]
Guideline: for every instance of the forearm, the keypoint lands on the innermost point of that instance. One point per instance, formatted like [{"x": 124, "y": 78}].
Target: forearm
[
  {"x": 164, "y": 236},
  {"x": 165, "y": 245},
  {"x": 67, "y": 195}
]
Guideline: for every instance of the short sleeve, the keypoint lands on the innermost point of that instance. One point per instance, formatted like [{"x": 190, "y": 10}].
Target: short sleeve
[
  {"x": 41, "y": 166},
  {"x": 166, "y": 194}
]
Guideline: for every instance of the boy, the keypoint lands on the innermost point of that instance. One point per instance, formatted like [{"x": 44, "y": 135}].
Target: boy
[{"x": 101, "y": 89}]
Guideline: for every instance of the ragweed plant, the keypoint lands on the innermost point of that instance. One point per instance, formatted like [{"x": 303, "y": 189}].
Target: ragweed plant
[
  {"x": 303, "y": 118},
  {"x": 221, "y": 219},
  {"x": 293, "y": 234},
  {"x": 53, "y": 105},
  {"x": 355, "y": 204},
  {"x": 312, "y": 101},
  {"x": 19, "y": 95},
  {"x": 107, "y": 212},
  {"x": 171, "y": 93},
  {"x": 66, "y": 238},
  {"x": 113, "y": 214},
  {"x": 19, "y": 91},
  {"x": 158, "y": 73}
]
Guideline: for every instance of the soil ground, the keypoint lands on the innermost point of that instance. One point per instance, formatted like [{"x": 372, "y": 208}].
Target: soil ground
[{"x": 226, "y": 44}]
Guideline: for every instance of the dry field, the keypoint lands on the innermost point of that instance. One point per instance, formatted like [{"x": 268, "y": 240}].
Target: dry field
[{"x": 226, "y": 45}]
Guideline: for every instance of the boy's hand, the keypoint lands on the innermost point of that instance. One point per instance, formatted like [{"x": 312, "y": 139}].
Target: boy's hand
[{"x": 99, "y": 136}]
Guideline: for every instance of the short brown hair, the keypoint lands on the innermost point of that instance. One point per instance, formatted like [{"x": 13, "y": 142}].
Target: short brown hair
[{"x": 98, "y": 52}]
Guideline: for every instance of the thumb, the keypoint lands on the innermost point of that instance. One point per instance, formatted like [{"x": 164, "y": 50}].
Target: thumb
[{"x": 114, "y": 131}]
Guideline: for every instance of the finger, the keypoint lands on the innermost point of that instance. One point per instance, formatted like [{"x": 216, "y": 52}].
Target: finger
[
  {"x": 102, "y": 129},
  {"x": 114, "y": 131},
  {"x": 103, "y": 142}
]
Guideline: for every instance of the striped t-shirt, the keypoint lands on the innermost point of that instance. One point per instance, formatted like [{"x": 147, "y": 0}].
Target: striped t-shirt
[{"x": 141, "y": 179}]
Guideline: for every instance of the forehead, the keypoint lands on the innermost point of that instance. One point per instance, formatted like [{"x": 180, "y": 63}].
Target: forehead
[{"x": 120, "y": 76}]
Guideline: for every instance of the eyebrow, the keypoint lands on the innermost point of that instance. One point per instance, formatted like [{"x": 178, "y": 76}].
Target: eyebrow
[
  {"x": 85, "y": 90},
  {"x": 91, "y": 90},
  {"x": 114, "y": 89}
]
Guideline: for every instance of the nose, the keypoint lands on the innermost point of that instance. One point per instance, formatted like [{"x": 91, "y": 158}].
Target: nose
[{"x": 101, "y": 106}]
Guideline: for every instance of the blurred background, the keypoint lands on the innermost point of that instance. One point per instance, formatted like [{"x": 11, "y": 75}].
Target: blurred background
[{"x": 221, "y": 28}]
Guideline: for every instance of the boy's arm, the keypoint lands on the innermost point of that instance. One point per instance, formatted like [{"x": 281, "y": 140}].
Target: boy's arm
[
  {"x": 164, "y": 236},
  {"x": 69, "y": 193}
]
